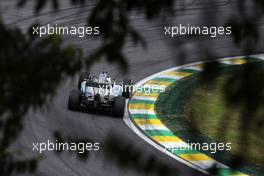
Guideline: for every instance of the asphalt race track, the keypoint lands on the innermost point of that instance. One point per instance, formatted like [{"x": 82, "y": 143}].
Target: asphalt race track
[{"x": 160, "y": 54}]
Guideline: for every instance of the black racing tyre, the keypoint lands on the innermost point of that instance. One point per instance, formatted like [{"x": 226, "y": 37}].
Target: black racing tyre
[
  {"x": 82, "y": 77},
  {"x": 119, "y": 106},
  {"x": 74, "y": 100},
  {"x": 127, "y": 88}
]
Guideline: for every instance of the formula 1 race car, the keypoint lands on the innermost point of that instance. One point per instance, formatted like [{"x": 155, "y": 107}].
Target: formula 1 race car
[{"x": 100, "y": 93}]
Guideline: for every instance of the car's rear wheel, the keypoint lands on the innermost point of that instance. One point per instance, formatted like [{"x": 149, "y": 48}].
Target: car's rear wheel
[
  {"x": 127, "y": 88},
  {"x": 83, "y": 76},
  {"x": 74, "y": 100},
  {"x": 119, "y": 106}
]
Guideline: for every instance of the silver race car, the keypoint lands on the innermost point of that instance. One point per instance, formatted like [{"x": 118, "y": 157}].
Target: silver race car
[{"x": 100, "y": 93}]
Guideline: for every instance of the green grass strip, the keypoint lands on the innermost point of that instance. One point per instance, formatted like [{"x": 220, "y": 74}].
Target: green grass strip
[
  {"x": 134, "y": 101},
  {"x": 144, "y": 116},
  {"x": 164, "y": 79},
  {"x": 188, "y": 70},
  {"x": 159, "y": 133},
  {"x": 183, "y": 151},
  {"x": 227, "y": 171}
]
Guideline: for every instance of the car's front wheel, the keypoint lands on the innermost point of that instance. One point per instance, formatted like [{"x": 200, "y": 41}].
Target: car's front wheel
[{"x": 74, "y": 100}]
